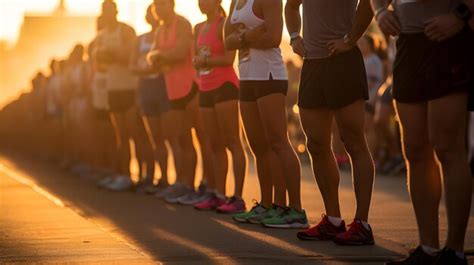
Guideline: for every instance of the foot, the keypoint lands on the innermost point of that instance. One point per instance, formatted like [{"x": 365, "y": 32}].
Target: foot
[
  {"x": 325, "y": 230},
  {"x": 234, "y": 205},
  {"x": 449, "y": 257},
  {"x": 416, "y": 257},
  {"x": 178, "y": 193},
  {"x": 269, "y": 213},
  {"x": 189, "y": 199},
  {"x": 357, "y": 235},
  {"x": 257, "y": 209},
  {"x": 290, "y": 218},
  {"x": 212, "y": 203},
  {"x": 121, "y": 183}
]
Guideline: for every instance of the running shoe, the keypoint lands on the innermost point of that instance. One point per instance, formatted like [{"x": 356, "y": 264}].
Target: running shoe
[
  {"x": 210, "y": 204},
  {"x": 357, "y": 235},
  {"x": 268, "y": 213},
  {"x": 256, "y": 210},
  {"x": 181, "y": 191},
  {"x": 449, "y": 257},
  {"x": 156, "y": 188},
  {"x": 233, "y": 206},
  {"x": 190, "y": 198},
  {"x": 104, "y": 182},
  {"x": 290, "y": 218},
  {"x": 121, "y": 183},
  {"x": 417, "y": 256},
  {"x": 325, "y": 230},
  {"x": 143, "y": 185},
  {"x": 168, "y": 190}
]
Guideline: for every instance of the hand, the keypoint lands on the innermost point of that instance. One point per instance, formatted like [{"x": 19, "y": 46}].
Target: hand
[
  {"x": 298, "y": 46},
  {"x": 443, "y": 27},
  {"x": 338, "y": 46},
  {"x": 199, "y": 62},
  {"x": 388, "y": 24}
]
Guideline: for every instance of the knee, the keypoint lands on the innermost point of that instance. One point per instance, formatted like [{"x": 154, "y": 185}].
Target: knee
[
  {"x": 354, "y": 142},
  {"x": 318, "y": 148},
  {"x": 417, "y": 151},
  {"x": 448, "y": 148}
]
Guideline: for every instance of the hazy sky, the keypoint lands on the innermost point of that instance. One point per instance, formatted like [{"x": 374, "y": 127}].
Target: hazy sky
[{"x": 131, "y": 11}]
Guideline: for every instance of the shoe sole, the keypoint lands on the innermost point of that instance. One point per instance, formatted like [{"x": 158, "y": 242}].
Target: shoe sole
[
  {"x": 288, "y": 226},
  {"x": 340, "y": 243},
  {"x": 243, "y": 221},
  {"x": 305, "y": 238}
]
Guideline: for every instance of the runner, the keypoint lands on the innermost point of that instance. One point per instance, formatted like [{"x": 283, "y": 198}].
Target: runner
[
  {"x": 255, "y": 28},
  {"x": 113, "y": 48},
  {"x": 219, "y": 108},
  {"x": 434, "y": 41},
  {"x": 334, "y": 87},
  {"x": 172, "y": 55},
  {"x": 153, "y": 102}
]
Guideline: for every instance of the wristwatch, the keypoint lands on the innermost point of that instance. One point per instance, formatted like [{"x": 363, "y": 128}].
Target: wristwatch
[
  {"x": 294, "y": 36},
  {"x": 463, "y": 12},
  {"x": 348, "y": 41}
]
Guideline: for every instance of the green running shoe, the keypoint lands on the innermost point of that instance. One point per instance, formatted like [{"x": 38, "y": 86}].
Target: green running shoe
[
  {"x": 290, "y": 218},
  {"x": 256, "y": 210},
  {"x": 272, "y": 212}
]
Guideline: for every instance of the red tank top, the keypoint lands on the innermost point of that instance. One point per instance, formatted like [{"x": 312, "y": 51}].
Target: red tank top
[
  {"x": 180, "y": 77},
  {"x": 212, "y": 44}
]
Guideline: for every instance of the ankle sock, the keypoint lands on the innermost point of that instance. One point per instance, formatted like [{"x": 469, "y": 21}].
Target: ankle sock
[
  {"x": 336, "y": 221},
  {"x": 429, "y": 250}
]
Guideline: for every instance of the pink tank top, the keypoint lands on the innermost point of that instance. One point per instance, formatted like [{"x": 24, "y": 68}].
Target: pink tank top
[
  {"x": 180, "y": 77},
  {"x": 210, "y": 43}
]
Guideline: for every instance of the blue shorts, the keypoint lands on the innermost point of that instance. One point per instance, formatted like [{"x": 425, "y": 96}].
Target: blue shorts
[{"x": 152, "y": 96}]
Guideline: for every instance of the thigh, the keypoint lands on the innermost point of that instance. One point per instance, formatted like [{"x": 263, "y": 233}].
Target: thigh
[
  {"x": 317, "y": 125},
  {"x": 227, "y": 114},
  {"x": 413, "y": 124},
  {"x": 351, "y": 121},
  {"x": 272, "y": 109},
  {"x": 447, "y": 119},
  {"x": 253, "y": 125}
]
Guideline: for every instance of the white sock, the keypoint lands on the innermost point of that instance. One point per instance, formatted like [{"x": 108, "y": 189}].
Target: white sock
[
  {"x": 366, "y": 225},
  {"x": 336, "y": 221},
  {"x": 429, "y": 250}
]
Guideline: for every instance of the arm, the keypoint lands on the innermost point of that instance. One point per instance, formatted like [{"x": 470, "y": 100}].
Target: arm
[
  {"x": 293, "y": 24},
  {"x": 184, "y": 41},
  {"x": 445, "y": 26},
  {"x": 362, "y": 19},
  {"x": 272, "y": 31},
  {"x": 123, "y": 55},
  {"x": 231, "y": 35},
  {"x": 385, "y": 18}
]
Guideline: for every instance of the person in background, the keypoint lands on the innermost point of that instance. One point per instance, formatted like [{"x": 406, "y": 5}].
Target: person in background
[
  {"x": 172, "y": 55},
  {"x": 218, "y": 101},
  {"x": 114, "y": 46},
  {"x": 435, "y": 40}
]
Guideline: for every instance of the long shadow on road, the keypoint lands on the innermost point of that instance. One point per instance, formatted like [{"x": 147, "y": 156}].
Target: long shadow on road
[{"x": 177, "y": 234}]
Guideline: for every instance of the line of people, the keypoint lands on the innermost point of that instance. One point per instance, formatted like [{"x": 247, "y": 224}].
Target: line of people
[{"x": 174, "y": 92}]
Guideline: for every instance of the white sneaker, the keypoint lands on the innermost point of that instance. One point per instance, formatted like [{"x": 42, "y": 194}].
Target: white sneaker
[
  {"x": 121, "y": 183},
  {"x": 168, "y": 190},
  {"x": 181, "y": 191},
  {"x": 105, "y": 181},
  {"x": 190, "y": 198}
]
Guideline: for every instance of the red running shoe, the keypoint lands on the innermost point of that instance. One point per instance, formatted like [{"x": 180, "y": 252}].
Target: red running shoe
[
  {"x": 325, "y": 230},
  {"x": 357, "y": 235}
]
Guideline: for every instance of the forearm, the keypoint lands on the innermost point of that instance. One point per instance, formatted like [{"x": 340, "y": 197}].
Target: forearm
[
  {"x": 232, "y": 42},
  {"x": 362, "y": 20},
  {"x": 266, "y": 41},
  {"x": 377, "y": 4}
]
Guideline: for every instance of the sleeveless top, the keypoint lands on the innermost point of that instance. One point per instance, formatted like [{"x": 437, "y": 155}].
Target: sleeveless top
[
  {"x": 180, "y": 77},
  {"x": 260, "y": 64},
  {"x": 209, "y": 43},
  {"x": 118, "y": 76},
  {"x": 144, "y": 47}
]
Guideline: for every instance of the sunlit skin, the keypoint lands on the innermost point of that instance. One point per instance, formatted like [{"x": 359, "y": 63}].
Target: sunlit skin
[{"x": 221, "y": 123}]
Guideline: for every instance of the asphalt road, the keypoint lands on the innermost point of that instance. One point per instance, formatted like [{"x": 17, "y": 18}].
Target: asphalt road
[{"x": 50, "y": 216}]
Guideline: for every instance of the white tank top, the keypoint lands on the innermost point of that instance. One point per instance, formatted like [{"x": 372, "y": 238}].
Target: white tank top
[{"x": 261, "y": 64}]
